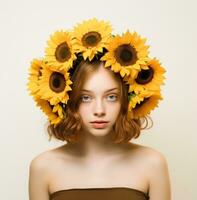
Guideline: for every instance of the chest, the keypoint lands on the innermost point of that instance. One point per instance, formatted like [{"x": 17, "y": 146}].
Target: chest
[{"x": 101, "y": 173}]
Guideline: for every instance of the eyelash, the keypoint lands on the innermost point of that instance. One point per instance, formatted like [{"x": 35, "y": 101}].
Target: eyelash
[{"x": 89, "y": 96}]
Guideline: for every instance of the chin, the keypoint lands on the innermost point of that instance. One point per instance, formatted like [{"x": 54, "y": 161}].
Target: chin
[{"x": 99, "y": 132}]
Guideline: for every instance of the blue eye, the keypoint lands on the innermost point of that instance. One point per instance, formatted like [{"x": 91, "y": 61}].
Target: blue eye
[
  {"x": 84, "y": 98},
  {"x": 115, "y": 97}
]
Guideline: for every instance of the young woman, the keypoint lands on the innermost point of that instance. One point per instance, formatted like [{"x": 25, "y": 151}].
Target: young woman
[{"x": 99, "y": 160}]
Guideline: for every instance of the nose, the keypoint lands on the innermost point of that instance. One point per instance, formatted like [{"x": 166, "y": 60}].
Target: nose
[{"x": 99, "y": 109}]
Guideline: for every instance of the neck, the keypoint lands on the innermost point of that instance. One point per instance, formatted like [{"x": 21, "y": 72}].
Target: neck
[{"x": 92, "y": 147}]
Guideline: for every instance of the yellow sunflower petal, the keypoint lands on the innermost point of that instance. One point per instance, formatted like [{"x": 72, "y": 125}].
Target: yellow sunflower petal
[
  {"x": 60, "y": 51},
  {"x": 149, "y": 79},
  {"x": 53, "y": 117},
  {"x": 34, "y": 75},
  {"x": 126, "y": 51},
  {"x": 54, "y": 86},
  {"x": 91, "y": 37},
  {"x": 148, "y": 102}
]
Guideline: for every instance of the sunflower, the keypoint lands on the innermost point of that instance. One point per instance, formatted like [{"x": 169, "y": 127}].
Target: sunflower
[
  {"x": 54, "y": 85},
  {"x": 126, "y": 54},
  {"x": 148, "y": 101},
  {"x": 54, "y": 113},
  {"x": 148, "y": 79},
  {"x": 134, "y": 99},
  {"x": 34, "y": 75},
  {"x": 60, "y": 50},
  {"x": 91, "y": 37}
]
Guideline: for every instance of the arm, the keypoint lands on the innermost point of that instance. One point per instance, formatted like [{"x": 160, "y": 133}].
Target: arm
[
  {"x": 38, "y": 188},
  {"x": 159, "y": 186}
]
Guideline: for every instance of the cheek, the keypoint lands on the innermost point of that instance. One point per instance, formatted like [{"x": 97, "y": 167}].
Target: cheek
[
  {"x": 115, "y": 109},
  {"x": 83, "y": 117},
  {"x": 83, "y": 111}
]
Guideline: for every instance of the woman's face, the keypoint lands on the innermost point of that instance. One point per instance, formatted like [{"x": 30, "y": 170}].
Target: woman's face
[{"x": 100, "y": 101}]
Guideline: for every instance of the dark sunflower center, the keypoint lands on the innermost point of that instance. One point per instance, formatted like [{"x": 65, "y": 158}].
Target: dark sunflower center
[
  {"x": 57, "y": 82},
  {"x": 91, "y": 39},
  {"x": 126, "y": 55},
  {"x": 145, "y": 76},
  {"x": 138, "y": 105},
  {"x": 62, "y": 52}
]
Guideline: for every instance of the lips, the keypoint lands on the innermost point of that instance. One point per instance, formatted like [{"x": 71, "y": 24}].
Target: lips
[
  {"x": 100, "y": 121},
  {"x": 99, "y": 125}
]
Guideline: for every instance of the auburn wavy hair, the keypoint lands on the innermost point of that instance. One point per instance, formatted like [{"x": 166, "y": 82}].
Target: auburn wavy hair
[{"x": 69, "y": 129}]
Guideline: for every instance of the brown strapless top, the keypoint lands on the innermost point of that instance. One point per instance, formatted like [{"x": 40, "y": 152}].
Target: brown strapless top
[{"x": 115, "y": 193}]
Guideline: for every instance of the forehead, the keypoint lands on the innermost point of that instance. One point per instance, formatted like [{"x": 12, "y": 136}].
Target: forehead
[{"x": 101, "y": 80}]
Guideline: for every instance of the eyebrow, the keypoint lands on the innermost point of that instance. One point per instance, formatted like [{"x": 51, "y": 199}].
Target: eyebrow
[{"x": 84, "y": 90}]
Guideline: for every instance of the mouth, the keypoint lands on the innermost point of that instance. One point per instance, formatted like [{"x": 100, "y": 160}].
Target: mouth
[
  {"x": 99, "y": 121},
  {"x": 99, "y": 124}
]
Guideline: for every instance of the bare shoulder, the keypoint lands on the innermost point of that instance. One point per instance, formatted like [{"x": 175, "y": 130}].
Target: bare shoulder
[
  {"x": 154, "y": 159},
  {"x": 153, "y": 156},
  {"x": 38, "y": 176},
  {"x": 158, "y": 173},
  {"x": 44, "y": 162},
  {"x": 41, "y": 160},
  {"x": 157, "y": 162}
]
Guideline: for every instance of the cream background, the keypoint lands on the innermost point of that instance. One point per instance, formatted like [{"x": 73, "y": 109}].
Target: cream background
[{"x": 169, "y": 26}]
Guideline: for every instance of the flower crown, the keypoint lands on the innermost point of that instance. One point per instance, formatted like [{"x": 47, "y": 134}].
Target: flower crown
[{"x": 49, "y": 78}]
